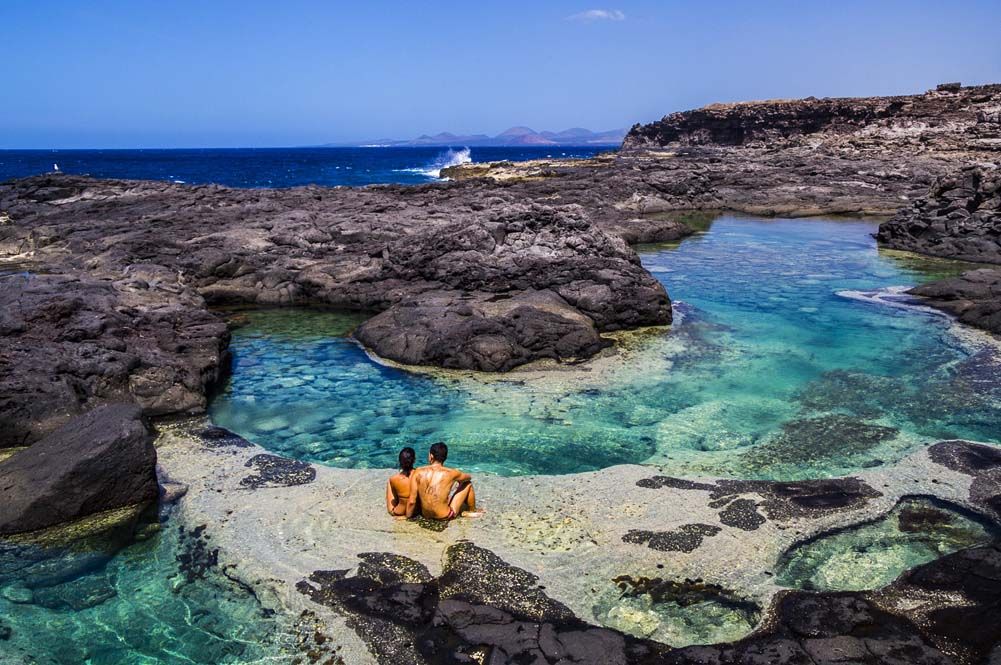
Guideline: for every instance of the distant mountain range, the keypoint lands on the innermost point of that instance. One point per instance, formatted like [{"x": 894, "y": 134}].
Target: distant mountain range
[{"x": 516, "y": 136}]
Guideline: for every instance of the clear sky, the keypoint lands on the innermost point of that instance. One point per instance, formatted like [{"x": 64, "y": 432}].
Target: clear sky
[{"x": 131, "y": 73}]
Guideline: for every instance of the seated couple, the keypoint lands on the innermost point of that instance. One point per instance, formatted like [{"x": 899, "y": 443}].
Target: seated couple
[{"x": 429, "y": 488}]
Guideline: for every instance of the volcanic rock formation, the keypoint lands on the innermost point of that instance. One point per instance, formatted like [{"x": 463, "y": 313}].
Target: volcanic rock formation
[{"x": 96, "y": 462}]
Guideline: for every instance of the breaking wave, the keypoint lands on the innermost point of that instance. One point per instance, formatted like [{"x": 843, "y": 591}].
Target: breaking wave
[{"x": 443, "y": 160}]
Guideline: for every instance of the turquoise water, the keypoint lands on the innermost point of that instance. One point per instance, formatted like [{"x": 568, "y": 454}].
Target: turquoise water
[
  {"x": 769, "y": 373},
  {"x": 159, "y": 601}
]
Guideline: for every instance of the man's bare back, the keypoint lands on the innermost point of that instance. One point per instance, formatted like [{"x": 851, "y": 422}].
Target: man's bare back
[{"x": 432, "y": 485}]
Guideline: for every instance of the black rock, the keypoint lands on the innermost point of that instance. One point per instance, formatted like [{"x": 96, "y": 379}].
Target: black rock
[{"x": 102, "y": 460}]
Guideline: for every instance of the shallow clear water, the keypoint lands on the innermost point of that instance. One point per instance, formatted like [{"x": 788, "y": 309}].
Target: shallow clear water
[
  {"x": 676, "y": 613},
  {"x": 158, "y": 601},
  {"x": 769, "y": 373},
  {"x": 873, "y": 555}
]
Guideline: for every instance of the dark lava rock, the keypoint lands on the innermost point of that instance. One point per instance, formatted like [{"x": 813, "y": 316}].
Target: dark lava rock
[
  {"x": 483, "y": 610},
  {"x": 969, "y": 458},
  {"x": 811, "y": 439},
  {"x": 674, "y": 483},
  {"x": 977, "y": 460},
  {"x": 968, "y": 584},
  {"x": 960, "y": 218},
  {"x": 743, "y": 514},
  {"x": 973, "y": 297},
  {"x": 73, "y": 342},
  {"x": 275, "y": 471},
  {"x": 686, "y": 538},
  {"x": 99, "y": 461},
  {"x": 776, "y": 122},
  {"x": 529, "y": 283},
  {"x": 486, "y": 333},
  {"x": 195, "y": 557}
]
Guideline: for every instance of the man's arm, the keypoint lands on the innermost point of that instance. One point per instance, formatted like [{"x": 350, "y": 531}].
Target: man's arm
[
  {"x": 390, "y": 497},
  {"x": 412, "y": 499},
  {"x": 462, "y": 477}
]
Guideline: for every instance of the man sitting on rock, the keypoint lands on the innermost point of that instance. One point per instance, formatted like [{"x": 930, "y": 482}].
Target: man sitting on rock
[{"x": 432, "y": 485}]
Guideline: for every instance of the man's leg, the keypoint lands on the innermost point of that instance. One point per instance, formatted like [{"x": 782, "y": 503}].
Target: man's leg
[
  {"x": 464, "y": 497},
  {"x": 460, "y": 497}
]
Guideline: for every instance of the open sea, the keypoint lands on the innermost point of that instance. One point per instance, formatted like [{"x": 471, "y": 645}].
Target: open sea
[{"x": 272, "y": 167}]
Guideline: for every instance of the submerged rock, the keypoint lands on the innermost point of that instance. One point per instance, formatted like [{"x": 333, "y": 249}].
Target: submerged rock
[{"x": 96, "y": 462}]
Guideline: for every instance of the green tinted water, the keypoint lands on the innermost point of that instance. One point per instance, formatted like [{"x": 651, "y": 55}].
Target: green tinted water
[
  {"x": 160, "y": 600},
  {"x": 768, "y": 373},
  {"x": 873, "y": 555}
]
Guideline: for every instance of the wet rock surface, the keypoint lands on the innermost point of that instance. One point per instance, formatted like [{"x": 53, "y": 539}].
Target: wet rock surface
[
  {"x": 974, "y": 297},
  {"x": 96, "y": 462}
]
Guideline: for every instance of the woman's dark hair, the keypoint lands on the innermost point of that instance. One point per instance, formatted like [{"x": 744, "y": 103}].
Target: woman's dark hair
[
  {"x": 407, "y": 457},
  {"x": 439, "y": 451}
]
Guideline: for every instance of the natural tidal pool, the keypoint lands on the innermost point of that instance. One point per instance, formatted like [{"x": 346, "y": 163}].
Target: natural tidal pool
[
  {"x": 161, "y": 600},
  {"x": 872, "y": 555},
  {"x": 771, "y": 370}
]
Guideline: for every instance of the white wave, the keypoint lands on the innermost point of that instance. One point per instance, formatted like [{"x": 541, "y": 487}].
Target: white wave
[
  {"x": 442, "y": 161},
  {"x": 892, "y": 296}
]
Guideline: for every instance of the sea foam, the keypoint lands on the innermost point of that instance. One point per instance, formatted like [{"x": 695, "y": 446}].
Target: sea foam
[{"x": 444, "y": 159}]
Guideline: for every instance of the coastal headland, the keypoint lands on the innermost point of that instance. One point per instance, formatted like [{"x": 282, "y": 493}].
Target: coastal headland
[{"x": 111, "y": 343}]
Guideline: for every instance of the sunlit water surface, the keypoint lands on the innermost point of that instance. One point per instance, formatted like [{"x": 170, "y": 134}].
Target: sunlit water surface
[{"x": 771, "y": 372}]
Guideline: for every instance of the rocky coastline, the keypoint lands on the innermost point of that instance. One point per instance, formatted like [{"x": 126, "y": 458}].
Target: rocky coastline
[{"x": 109, "y": 292}]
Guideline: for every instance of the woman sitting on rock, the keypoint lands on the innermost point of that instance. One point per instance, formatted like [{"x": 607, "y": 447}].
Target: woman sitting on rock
[{"x": 398, "y": 487}]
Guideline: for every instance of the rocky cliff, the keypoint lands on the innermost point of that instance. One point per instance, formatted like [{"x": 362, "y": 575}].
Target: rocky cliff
[{"x": 938, "y": 113}]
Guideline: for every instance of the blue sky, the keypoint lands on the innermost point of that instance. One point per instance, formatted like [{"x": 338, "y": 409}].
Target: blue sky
[{"x": 296, "y": 72}]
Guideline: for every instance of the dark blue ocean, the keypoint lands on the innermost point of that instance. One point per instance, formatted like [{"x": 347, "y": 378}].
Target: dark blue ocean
[{"x": 271, "y": 167}]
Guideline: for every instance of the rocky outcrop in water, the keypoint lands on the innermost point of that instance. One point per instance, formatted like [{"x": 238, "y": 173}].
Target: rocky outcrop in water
[
  {"x": 530, "y": 283},
  {"x": 96, "y": 462},
  {"x": 974, "y": 297},
  {"x": 960, "y": 218}
]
